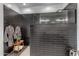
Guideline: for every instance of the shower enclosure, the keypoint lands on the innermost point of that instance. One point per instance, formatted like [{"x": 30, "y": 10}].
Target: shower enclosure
[{"x": 53, "y": 34}]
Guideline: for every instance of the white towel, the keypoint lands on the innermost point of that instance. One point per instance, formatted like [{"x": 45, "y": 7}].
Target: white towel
[
  {"x": 9, "y": 32},
  {"x": 17, "y": 34}
]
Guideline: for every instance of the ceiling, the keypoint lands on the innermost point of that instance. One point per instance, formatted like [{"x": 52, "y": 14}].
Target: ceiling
[{"x": 28, "y": 8}]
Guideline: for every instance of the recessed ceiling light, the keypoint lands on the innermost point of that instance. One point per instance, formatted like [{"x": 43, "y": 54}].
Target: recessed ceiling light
[
  {"x": 27, "y": 10},
  {"x": 24, "y": 4},
  {"x": 48, "y": 8},
  {"x": 9, "y": 5}
]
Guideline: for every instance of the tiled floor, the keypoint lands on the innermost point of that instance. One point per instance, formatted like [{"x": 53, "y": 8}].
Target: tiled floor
[{"x": 26, "y": 52}]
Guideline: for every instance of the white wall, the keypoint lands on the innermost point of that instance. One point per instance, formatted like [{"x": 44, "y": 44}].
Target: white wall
[
  {"x": 78, "y": 26},
  {"x": 1, "y": 29}
]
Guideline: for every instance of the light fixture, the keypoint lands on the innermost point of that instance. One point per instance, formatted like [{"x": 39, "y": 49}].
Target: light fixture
[
  {"x": 24, "y": 4},
  {"x": 48, "y": 8},
  {"x": 44, "y": 20},
  {"x": 9, "y": 5},
  {"x": 59, "y": 10},
  {"x": 61, "y": 20},
  {"x": 27, "y": 10}
]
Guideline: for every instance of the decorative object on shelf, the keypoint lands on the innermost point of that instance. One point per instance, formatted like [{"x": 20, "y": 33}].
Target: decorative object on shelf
[{"x": 19, "y": 44}]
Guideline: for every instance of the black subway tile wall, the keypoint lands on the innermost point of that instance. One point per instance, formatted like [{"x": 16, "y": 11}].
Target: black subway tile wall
[
  {"x": 54, "y": 39},
  {"x": 51, "y": 40}
]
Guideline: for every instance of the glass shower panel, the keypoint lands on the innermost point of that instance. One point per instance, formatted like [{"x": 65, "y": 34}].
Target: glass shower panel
[{"x": 53, "y": 34}]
